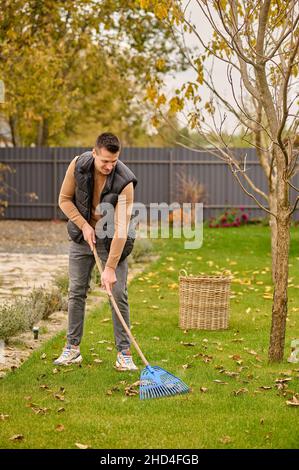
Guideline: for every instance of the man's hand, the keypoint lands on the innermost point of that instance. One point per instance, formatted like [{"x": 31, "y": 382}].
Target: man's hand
[
  {"x": 108, "y": 278},
  {"x": 89, "y": 235}
]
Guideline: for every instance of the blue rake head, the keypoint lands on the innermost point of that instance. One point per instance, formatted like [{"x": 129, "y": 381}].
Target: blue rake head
[{"x": 156, "y": 382}]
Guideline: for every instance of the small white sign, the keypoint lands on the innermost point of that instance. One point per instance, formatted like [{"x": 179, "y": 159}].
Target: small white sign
[{"x": 294, "y": 357}]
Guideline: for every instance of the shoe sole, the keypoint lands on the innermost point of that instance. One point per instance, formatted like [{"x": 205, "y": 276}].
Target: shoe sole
[
  {"x": 78, "y": 360},
  {"x": 122, "y": 369}
]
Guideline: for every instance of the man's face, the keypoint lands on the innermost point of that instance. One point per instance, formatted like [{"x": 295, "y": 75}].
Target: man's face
[{"x": 104, "y": 160}]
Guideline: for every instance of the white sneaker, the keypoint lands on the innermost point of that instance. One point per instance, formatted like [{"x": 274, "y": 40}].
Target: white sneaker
[
  {"x": 69, "y": 356},
  {"x": 124, "y": 362}
]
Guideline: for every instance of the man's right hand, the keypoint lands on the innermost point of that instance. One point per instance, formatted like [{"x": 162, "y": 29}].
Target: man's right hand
[{"x": 89, "y": 235}]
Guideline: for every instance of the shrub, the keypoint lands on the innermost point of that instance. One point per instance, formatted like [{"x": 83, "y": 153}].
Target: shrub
[
  {"x": 23, "y": 314},
  {"x": 43, "y": 303},
  {"x": 13, "y": 318},
  {"x": 230, "y": 218},
  {"x": 142, "y": 249},
  {"x": 61, "y": 281}
]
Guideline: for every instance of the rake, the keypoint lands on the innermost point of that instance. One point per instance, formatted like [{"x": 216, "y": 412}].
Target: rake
[{"x": 155, "y": 382}]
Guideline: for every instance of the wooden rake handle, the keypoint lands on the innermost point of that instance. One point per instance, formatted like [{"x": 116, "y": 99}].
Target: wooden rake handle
[{"x": 121, "y": 319}]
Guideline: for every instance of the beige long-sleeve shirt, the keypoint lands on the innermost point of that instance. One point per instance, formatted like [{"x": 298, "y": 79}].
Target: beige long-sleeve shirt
[{"x": 123, "y": 209}]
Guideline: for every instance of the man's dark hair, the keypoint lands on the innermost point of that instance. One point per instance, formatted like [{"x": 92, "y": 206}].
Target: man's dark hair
[{"x": 109, "y": 142}]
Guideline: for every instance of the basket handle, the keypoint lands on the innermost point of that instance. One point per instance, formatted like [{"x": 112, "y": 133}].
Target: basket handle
[{"x": 183, "y": 272}]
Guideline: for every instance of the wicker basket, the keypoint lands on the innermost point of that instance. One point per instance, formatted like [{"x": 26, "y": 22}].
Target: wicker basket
[{"x": 204, "y": 301}]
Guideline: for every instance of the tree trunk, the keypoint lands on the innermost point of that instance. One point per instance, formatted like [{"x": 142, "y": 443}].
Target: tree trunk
[
  {"x": 273, "y": 230},
  {"x": 42, "y": 133},
  {"x": 13, "y": 122},
  {"x": 280, "y": 299}
]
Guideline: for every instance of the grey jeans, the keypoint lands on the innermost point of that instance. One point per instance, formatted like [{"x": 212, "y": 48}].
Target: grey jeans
[{"x": 81, "y": 263}]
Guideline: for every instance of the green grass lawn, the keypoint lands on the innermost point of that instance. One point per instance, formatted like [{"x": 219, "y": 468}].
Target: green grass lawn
[{"x": 244, "y": 410}]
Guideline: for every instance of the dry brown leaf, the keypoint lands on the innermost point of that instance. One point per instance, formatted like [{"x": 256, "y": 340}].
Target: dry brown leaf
[
  {"x": 225, "y": 440},
  {"x": 3, "y": 417},
  {"x": 250, "y": 351},
  {"x": 17, "y": 437},
  {"x": 44, "y": 387},
  {"x": 59, "y": 397},
  {"x": 203, "y": 389},
  {"x": 60, "y": 410},
  {"x": 132, "y": 389},
  {"x": 240, "y": 391},
  {"x": 293, "y": 402},
  {"x": 81, "y": 446},
  {"x": 220, "y": 382},
  {"x": 98, "y": 361},
  {"x": 59, "y": 427}
]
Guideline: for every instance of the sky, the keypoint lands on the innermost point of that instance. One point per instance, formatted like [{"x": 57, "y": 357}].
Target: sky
[{"x": 219, "y": 67}]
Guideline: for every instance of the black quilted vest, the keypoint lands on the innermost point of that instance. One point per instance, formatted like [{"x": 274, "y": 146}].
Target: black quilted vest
[{"x": 116, "y": 181}]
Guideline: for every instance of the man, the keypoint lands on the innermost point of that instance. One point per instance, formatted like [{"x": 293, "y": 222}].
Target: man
[{"x": 94, "y": 178}]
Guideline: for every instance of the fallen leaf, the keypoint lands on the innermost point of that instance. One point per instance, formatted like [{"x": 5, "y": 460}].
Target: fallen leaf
[
  {"x": 3, "y": 417},
  {"x": 132, "y": 389},
  {"x": 43, "y": 356},
  {"x": 240, "y": 391},
  {"x": 220, "y": 382},
  {"x": 203, "y": 389},
  {"x": 250, "y": 351},
  {"x": 293, "y": 402},
  {"x": 225, "y": 439},
  {"x": 60, "y": 410},
  {"x": 59, "y": 427},
  {"x": 187, "y": 344},
  {"x": 186, "y": 366},
  {"x": 98, "y": 361},
  {"x": 17, "y": 437},
  {"x": 59, "y": 397},
  {"x": 81, "y": 446}
]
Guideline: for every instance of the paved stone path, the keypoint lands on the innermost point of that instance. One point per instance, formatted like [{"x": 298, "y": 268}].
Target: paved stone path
[{"x": 20, "y": 273}]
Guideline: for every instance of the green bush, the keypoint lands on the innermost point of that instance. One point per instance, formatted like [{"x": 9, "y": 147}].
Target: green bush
[
  {"x": 43, "y": 303},
  {"x": 61, "y": 281},
  {"x": 143, "y": 248},
  {"x": 13, "y": 318}
]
